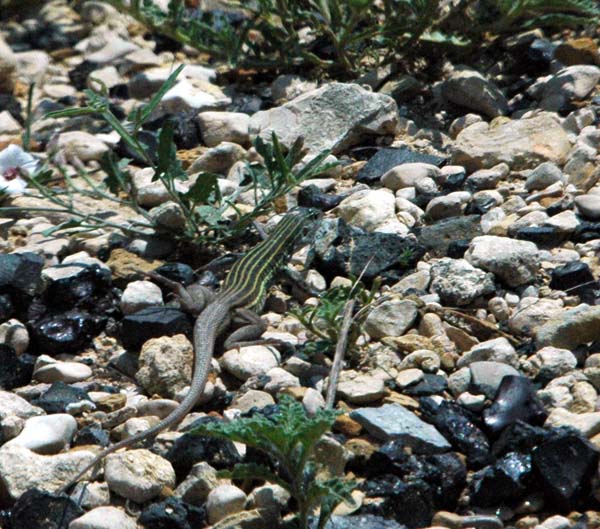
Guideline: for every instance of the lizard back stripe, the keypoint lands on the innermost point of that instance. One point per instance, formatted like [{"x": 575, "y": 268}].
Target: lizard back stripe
[{"x": 248, "y": 277}]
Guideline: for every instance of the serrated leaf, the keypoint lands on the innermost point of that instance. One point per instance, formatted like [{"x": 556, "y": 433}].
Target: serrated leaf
[{"x": 200, "y": 191}]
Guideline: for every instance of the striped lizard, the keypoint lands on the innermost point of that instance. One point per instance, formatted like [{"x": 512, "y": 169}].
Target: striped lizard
[{"x": 243, "y": 293}]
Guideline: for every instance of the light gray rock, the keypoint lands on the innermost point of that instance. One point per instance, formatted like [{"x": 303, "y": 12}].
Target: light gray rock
[
  {"x": 457, "y": 282},
  {"x": 165, "y": 365},
  {"x": 278, "y": 379},
  {"x": 570, "y": 83},
  {"x": 15, "y": 334},
  {"x": 32, "y": 66},
  {"x": 471, "y": 402},
  {"x": 563, "y": 222},
  {"x": 91, "y": 495},
  {"x": 170, "y": 216},
  {"x": 67, "y": 372},
  {"x": 113, "y": 48},
  {"x": 368, "y": 209},
  {"x": 360, "y": 388},
  {"x": 252, "y": 360},
  {"x": 461, "y": 123},
  {"x": 104, "y": 518},
  {"x": 520, "y": 143},
  {"x": 450, "y": 205},
  {"x": 313, "y": 401},
  {"x": 80, "y": 144},
  {"x": 21, "y": 469},
  {"x": 224, "y": 501},
  {"x": 408, "y": 175},
  {"x": 252, "y": 399},
  {"x": 587, "y": 423},
  {"x": 196, "y": 486},
  {"x": 393, "y": 421},
  {"x": 487, "y": 178},
  {"x": 496, "y": 350},
  {"x": 459, "y": 381},
  {"x": 138, "y": 475},
  {"x": 532, "y": 313},
  {"x": 47, "y": 434},
  {"x": 580, "y": 167},
  {"x": 219, "y": 159},
  {"x": 570, "y": 328},
  {"x": 351, "y": 113},
  {"x": 552, "y": 362},
  {"x": 487, "y": 376},
  {"x": 224, "y": 126},
  {"x": 588, "y": 206},
  {"x": 270, "y": 497},
  {"x": 150, "y": 194},
  {"x": 515, "y": 262},
  {"x": 140, "y": 294},
  {"x": 108, "y": 76},
  {"x": 579, "y": 119},
  {"x": 391, "y": 318},
  {"x": 468, "y": 88},
  {"x": 544, "y": 175},
  {"x": 13, "y": 405},
  {"x": 190, "y": 95}
]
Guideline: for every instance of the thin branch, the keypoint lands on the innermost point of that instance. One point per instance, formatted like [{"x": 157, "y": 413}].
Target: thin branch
[{"x": 340, "y": 351}]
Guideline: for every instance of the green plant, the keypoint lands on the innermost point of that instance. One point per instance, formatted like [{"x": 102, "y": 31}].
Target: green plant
[
  {"x": 288, "y": 437},
  {"x": 325, "y": 318},
  {"x": 202, "y": 206},
  {"x": 346, "y": 37}
]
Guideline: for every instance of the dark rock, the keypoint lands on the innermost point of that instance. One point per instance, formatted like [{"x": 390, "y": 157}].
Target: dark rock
[
  {"x": 59, "y": 396},
  {"x": 586, "y": 231},
  {"x": 460, "y": 428},
  {"x": 541, "y": 51},
  {"x": 312, "y": 197},
  {"x": 445, "y": 474},
  {"x": 344, "y": 249},
  {"x": 10, "y": 103},
  {"x": 454, "y": 181},
  {"x": 409, "y": 503},
  {"x": 80, "y": 73},
  {"x": 457, "y": 249},
  {"x": 186, "y": 131},
  {"x": 515, "y": 400},
  {"x": 48, "y": 36},
  {"x": 387, "y": 158},
  {"x": 147, "y": 139},
  {"x": 565, "y": 465},
  {"x": 119, "y": 91},
  {"x": 429, "y": 385},
  {"x": 364, "y": 521},
  {"x": 92, "y": 435},
  {"x": 540, "y": 235},
  {"x": 178, "y": 272},
  {"x": 191, "y": 448},
  {"x": 480, "y": 204},
  {"x": 63, "y": 333},
  {"x": 7, "y": 309},
  {"x": 15, "y": 371},
  {"x": 81, "y": 289},
  {"x": 508, "y": 479},
  {"x": 576, "y": 278},
  {"x": 163, "y": 43},
  {"x": 20, "y": 272},
  {"x": 437, "y": 237},
  {"x": 45, "y": 106},
  {"x": 153, "y": 322},
  {"x": 564, "y": 204},
  {"x": 173, "y": 514},
  {"x": 519, "y": 437},
  {"x": 43, "y": 510}
]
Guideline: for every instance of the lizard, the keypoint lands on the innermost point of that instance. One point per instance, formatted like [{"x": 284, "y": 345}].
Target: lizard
[{"x": 243, "y": 292}]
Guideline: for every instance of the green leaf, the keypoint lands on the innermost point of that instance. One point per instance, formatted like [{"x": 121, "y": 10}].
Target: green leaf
[
  {"x": 147, "y": 110},
  {"x": 203, "y": 189}
]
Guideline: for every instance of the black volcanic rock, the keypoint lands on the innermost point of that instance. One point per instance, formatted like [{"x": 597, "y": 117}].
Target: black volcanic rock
[{"x": 515, "y": 400}]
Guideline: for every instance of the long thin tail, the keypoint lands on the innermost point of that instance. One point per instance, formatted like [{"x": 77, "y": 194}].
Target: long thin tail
[{"x": 206, "y": 329}]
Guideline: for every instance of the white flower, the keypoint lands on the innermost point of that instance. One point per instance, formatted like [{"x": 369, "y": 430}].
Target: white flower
[{"x": 14, "y": 161}]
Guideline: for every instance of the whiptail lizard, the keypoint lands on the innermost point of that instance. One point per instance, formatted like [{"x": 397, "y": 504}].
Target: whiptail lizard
[{"x": 244, "y": 291}]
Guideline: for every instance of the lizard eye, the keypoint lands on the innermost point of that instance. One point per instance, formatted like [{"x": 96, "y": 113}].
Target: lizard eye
[{"x": 11, "y": 173}]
